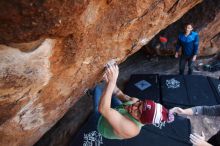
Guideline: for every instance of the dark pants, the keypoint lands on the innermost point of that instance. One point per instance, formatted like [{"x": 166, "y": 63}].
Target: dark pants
[
  {"x": 182, "y": 64},
  {"x": 215, "y": 140},
  {"x": 97, "y": 93}
]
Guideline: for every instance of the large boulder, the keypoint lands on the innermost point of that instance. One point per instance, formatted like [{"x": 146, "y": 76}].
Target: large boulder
[{"x": 42, "y": 78}]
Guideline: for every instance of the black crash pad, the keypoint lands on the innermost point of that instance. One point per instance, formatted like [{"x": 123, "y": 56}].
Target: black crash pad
[
  {"x": 143, "y": 86},
  {"x": 187, "y": 91},
  {"x": 173, "y": 90},
  {"x": 199, "y": 90},
  {"x": 215, "y": 84},
  {"x": 173, "y": 134}
]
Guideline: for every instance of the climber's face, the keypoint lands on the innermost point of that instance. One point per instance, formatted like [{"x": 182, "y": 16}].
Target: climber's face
[
  {"x": 135, "y": 109},
  {"x": 188, "y": 29}
]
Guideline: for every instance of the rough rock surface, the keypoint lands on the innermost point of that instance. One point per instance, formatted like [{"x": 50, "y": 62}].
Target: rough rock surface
[
  {"x": 206, "y": 20},
  {"x": 41, "y": 80}
]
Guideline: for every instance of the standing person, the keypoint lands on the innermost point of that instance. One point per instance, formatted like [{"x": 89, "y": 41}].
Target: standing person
[
  {"x": 196, "y": 139},
  {"x": 125, "y": 119},
  {"x": 189, "y": 42}
]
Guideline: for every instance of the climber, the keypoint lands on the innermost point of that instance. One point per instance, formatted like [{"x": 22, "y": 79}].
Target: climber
[
  {"x": 189, "y": 42},
  {"x": 124, "y": 120}
]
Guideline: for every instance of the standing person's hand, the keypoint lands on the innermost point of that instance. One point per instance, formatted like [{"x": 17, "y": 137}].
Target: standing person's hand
[
  {"x": 176, "y": 55},
  {"x": 198, "y": 140},
  {"x": 181, "y": 111},
  {"x": 177, "y": 110},
  {"x": 194, "y": 58}
]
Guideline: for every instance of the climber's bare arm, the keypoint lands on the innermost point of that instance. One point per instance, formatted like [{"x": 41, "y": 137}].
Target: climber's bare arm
[{"x": 120, "y": 123}]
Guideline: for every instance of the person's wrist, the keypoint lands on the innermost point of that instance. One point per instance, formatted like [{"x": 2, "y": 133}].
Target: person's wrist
[
  {"x": 116, "y": 91},
  {"x": 188, "y": 112},
  {"x": 112, "y": 83}
]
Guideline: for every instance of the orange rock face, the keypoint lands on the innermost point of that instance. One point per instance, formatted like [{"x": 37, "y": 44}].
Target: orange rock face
[{"x": 41, "y": 78}]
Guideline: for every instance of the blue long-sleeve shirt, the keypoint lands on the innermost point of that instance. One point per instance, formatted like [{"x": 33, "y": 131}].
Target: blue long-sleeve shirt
[{"x": 189, "y": 44}]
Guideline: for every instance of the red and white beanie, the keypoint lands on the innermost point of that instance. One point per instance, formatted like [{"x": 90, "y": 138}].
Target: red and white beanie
[{"x": 154, "y": 113}]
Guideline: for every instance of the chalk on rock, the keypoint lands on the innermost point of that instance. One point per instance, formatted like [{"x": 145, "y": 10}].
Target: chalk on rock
[{"x": 110, "y": 63}]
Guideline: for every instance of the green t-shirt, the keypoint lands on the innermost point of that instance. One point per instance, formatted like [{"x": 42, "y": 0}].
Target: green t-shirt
[{"x": 106, "y": 129}]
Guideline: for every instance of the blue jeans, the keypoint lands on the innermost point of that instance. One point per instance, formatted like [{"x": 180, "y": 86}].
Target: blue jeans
[{"x": 97, "y": 93}]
